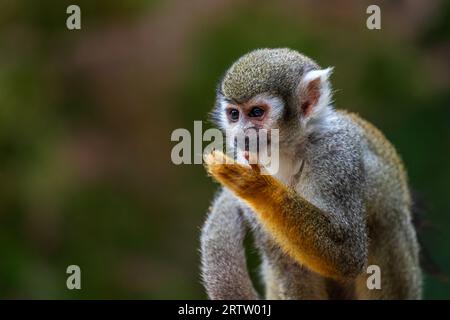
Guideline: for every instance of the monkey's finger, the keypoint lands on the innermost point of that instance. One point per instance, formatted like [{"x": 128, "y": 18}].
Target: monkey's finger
[
  {"x": 234, "y": 176},
  {"x": 216, "y": 158},
  {"x": 228, "y": 171}
]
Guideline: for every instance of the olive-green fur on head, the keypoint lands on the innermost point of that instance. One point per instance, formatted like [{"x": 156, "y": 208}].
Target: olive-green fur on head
[{"x": 273, "y": 71}]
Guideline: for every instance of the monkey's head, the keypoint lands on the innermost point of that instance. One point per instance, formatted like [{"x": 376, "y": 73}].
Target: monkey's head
[{"x": 273, "y": 89}]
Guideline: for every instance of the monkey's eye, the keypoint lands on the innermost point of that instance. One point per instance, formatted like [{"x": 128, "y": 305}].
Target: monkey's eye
[
  {"x": 256, "y": 112},
  {"x": 233, "y": 114}
]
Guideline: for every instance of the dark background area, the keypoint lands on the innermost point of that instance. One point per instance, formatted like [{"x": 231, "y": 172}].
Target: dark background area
[{"x": 86, "y": 117}]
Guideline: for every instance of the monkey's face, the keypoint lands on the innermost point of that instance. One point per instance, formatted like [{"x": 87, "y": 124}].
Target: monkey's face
[{"x": 248, "y": 125}]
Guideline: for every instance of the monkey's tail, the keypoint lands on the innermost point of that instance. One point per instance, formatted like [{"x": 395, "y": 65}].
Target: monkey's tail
[{"x": 421, "y": 223}]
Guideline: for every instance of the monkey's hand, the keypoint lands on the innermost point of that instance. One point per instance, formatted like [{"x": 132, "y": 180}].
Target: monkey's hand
[{"x": 246, "y": 181}]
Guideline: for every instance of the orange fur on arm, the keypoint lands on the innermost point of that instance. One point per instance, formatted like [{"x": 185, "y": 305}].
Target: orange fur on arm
[{"x": 303, "y": 231}]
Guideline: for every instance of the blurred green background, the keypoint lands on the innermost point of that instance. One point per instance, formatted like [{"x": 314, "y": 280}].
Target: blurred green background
[{"x": 86, "y": 117}]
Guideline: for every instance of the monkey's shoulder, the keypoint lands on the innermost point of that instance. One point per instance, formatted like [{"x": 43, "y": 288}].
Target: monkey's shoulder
[
  {"x": 337, "y": 143},
  {"x": 383, "y": 165},
  {"x": 376, "y": 141}
]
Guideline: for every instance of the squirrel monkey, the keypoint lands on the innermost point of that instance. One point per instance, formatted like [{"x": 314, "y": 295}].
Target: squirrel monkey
[{"x": 317, "y": 231}]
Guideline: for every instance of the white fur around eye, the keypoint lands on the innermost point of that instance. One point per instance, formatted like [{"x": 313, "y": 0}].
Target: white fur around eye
[
  {"x": 276, "y": 105},
  {"x": 223, "y": 122},
  {"x": 276, "y": 108}
]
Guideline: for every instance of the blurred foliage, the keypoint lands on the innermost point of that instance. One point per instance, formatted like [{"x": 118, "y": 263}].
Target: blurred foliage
[{"x": 86, "y": 118}]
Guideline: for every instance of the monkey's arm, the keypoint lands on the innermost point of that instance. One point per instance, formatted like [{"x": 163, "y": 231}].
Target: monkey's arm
[
  {"x": 224, "y": 267},
  {"x": 331, "y": 242}
]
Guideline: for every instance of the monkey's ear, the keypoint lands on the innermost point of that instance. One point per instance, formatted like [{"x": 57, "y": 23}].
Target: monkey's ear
[{"x": 314, "y": 92}]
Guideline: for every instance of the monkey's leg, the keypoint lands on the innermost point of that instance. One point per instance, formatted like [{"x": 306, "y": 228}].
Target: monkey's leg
[
  {"x": 224, "y": 267},
  {"x": 394, "y": 251},
  {"x": 330, "y": 246}
]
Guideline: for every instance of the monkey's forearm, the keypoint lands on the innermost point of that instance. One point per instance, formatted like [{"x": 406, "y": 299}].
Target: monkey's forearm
[
  {"x": 325, "y": 242},
  {"x": 311, "y": 236},
  {"x": 224, "y": 267}
]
